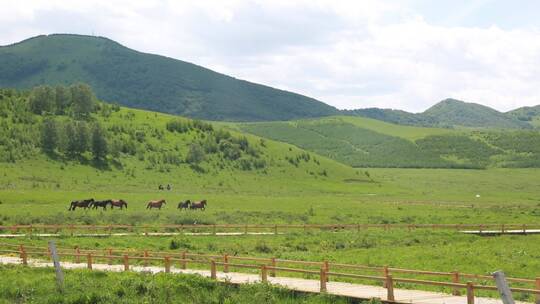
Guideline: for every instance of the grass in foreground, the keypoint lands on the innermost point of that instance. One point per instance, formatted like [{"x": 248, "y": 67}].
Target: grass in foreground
[{"x": 37, "y": 285}]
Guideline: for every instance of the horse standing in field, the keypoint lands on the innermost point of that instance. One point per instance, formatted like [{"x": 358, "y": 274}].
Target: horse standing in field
[
  {"x": 184, "y": 205},
  {"x": 81, "y": 204},
  {"x": 118, "y": 203},
  {"x": 155, "y": 204},
  {"x": 102, "y": 204},
  {"x": 198, "y": 205}
]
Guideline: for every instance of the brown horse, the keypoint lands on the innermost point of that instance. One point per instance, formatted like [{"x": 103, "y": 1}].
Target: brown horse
[
  {"x": 81, "y": 204},
  {"x": 198, "y": 205},
  {"x": 118, "y": 203},
  {"x": 155, "y": 204}
]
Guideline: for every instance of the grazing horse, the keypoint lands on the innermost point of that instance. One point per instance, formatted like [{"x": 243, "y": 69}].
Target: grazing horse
[
  {"x": 161, "y": 187},
  {"x": 118, "y": 203},
  {"x": 102, "y": 204},
  {"x": 184, "y": 205},
  {"x": 81, "y": 204},
  {"x": 198, "y": 205},
  {"x": 155, "y": 204}
]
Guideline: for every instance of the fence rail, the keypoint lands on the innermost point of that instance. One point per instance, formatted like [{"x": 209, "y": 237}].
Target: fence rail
[
  {"x": 269, "y": 266},
  {"x": 252, "y": 228}
]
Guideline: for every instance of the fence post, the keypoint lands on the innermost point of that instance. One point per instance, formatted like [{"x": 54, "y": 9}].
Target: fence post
[
  {"x": 470, "y": 293},
  {"x": 183, "y": 264},
  {"x": 502, "y": 228},
  {"x": 246, "y": 229},
  {"x": 213, "y": 269},
  {"x": 524, "y": 229},
  {"x": 109, "y": 259},
  {"x": 23, "y": 255},
  {"x": 126, "y": 262},
  {"x": 167, "y": 264},
  {"x": 323, "y": 280},
  {"x": 275, "y": 229},
  {"x": 77, "y": 255},
  {"x": 89, "y": 261},
  {"x": 385, "y": 274},
  {"x": 455, "y": 279},
  {"x": 145, "y": 261},
  {"x": 225, "y": 263},
  {"x": 273, "y": 272},
  {"x": 264, "y": 275},
  {"x": 390, "y": 288},
  {"x": 537, "y": 287},
  {"x": 326, "y": 268},
  {"x": 214, "y": 229}
]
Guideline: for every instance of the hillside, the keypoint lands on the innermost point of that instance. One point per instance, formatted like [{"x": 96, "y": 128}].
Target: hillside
[
  {"x": 146, "y": 81},
  {"x": 450, "y": 113},
  {"x": 363, "y": 142},
  {"x": 56, "y": 144},
  {"x": 527, "y": 114}
]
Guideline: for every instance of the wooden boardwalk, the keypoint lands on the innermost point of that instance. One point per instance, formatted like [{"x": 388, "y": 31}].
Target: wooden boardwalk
[
  {"x": 305, "y": 285},
  {"x": 23, "y": 235},
  {"x": 500, "y": 232}
]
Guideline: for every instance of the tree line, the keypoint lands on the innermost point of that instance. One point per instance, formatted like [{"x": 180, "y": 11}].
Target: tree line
[
  {"x": 73, "y": 138},
  {"x": 77, "y": 100}
]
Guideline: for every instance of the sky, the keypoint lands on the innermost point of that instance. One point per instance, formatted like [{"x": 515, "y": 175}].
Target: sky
[{"x": 405, "y": 55}]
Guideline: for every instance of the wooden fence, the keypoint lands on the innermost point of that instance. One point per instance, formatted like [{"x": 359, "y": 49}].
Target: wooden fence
[
  {"x": 458, "y": 282},
  {"x": 250, "y": 228}
]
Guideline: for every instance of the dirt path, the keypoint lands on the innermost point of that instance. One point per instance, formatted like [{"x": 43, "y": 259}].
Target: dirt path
[{"x": 305, "y": 285}]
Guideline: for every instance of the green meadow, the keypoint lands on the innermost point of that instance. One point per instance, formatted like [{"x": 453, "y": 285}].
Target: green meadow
[
  {"x": 364, "y": 142},
  {"x": 24, "y": 285},
  {"x": 252, "y": 179}
]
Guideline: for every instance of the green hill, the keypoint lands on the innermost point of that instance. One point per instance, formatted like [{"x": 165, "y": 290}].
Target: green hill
[
  {"x": 449, "y": 113},
  {"x": 527, "y": 114},
  {"x": 146, "y": 81},
  {"x": 57, "y": 145},
  {"x": 363, "y": 142}
]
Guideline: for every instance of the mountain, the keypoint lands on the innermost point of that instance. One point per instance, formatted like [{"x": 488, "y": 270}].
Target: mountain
[
  {"x": 365, "y": 142},
  {"x": 448, "y": 113},
  {"x": 146, "y": 81},
  {"x": 451, "y": 112},
  {"x": 527, "y": 114}
]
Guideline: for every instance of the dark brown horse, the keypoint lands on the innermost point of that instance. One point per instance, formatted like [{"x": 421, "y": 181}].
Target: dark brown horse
[
  {"x": 198, "y": 205},
  {"x": 184, "y": 205},
  {"x": 155, "y": 204},
  {"x": 102, "y": 204},
  {"x": 81, "y": 204},
  {"x": 118, "y": 203}
]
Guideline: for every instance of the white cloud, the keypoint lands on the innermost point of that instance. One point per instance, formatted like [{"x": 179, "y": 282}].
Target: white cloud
[{"x": 350, "y": 54}]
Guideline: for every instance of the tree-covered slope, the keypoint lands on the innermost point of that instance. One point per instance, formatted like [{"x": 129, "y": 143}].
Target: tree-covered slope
[
  {"x": 527, "y": 114},
  {"x": 452, "y": 113},
  {"x": 363, "y": 142},
  {"x": 42, "y": 139},
  {"x": 146, "y": 81}
]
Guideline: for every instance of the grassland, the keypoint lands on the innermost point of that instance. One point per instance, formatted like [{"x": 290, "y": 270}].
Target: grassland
[
  {"x": 294, "y": 186},
  {"x": 23, "y": 285},
  {"x": 363, "y": 142}
]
